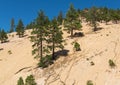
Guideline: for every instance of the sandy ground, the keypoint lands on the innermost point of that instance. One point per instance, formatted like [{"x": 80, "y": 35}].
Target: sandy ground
[{"x": 74, "y": 69}]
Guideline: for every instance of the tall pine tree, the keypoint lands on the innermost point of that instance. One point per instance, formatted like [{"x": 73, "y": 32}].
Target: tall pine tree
[
  {"x": 20, "y": 28},
  {"x": 72, "y": 21},
  {"x": 55, "y": 37},
  {"x": 3, "y": 36},
  {"x": 60, "y": 18},
  {"x": 39, "y": 34}
]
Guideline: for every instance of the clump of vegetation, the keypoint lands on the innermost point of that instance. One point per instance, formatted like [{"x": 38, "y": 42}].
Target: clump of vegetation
[
  {"x": 3, "y": 36},
  {"x": 111, "y": 63},
  {"x": 77, "y": 46},
  {"x": 89, "y": 82},
  {"x": 20, "y": 81},
  {"x": 92, "y": 63},
  {"x": 45, "y": 61},
  {"x": 9, "y": 52},
  {"x": 49, "y": 32},
  {"x": 72, "y": 21},
  {"x": 20, "y": 28},
  {"x": 28, "y": 81}
]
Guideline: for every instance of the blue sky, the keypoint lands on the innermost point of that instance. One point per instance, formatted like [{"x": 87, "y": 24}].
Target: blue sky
[{"x": 27, "y": 9}]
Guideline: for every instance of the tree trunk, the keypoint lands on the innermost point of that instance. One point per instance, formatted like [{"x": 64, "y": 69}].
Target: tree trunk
[
  {"x": 53, "y": 50},
  {"x": 71, "y": 32},
  {"x": 41, "y": 49}
]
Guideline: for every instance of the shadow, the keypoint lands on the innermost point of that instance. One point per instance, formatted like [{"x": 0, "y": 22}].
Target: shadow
[
  {"x": 1, "y": 49},
  {"x": 5, "y": 42},
  {"x": 97, "y": 29},
  {"x": 78, "y": 34},
  {"x": 61, "y": 53},
  {"x": 25, "y": 35},
  {"x": 48, "y": 59}
]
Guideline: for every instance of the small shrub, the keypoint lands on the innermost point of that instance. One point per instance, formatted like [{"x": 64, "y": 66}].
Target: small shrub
[
  {"x": 77, "y": 46},
  {"x": 89, "y": 82},
  {"x": 45, "y": 61},
  {"x": 9, "y": 52},
  {"x": 30, "y": 80},
  {"x": 92, "y": 63},
  {"x": 111, "y": 63},
  {"x": 20, "y": 81}
]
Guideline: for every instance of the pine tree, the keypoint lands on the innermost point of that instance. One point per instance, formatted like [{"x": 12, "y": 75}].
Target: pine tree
[
  {"x": 55, "y": 37},
  {"x": 20, "y": 81},
  {"x": 115, "y": 15},
  {"x": 12, "y": 25},
  {"x": 93, "y": 17},
  {"x": 72, "y": 21},
  {"x": 30, "y": 26},
  {"x": 3, "y": 36},
  {"x": 39, "y": 34},
  {"x": 60, "y": 18},
  {"x": 20, "y": 28},
  {"x": 106, "y": 15}
]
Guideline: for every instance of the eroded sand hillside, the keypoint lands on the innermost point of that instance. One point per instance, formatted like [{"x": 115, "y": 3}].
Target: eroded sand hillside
[{"x": 74, "y": 69}]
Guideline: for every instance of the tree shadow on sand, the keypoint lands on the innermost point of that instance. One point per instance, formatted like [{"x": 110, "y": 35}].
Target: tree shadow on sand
[
  {"x": 48, "y": 60},
  {"x": 60, "y": 53}
]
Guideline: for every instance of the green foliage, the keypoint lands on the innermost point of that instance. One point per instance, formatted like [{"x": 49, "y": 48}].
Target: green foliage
[
  {"x": 30, "y": 80},
  {"x": 89, "y": 82},
  {"x": 39, "y": 34},
  {"x": 48, "y": 32},
  {"x": 20, "y": 81},
  {"x": 72, "y": 21},
  {"x": 115, "y": 15},
  {"x": 20, "y": 28},
  {"x": 60, "y": 18},
  {"x": 77, "y": 46},
  {"x": 55, "y": 38},
  {"x": 106, "y": 15},
  {"x": 111, "y": 63},
  {"x": 3, "y": 36},
  {"x": 92, "y": 17},
  {"x": 30, "y": 26},
  {"x": 45, "y": 61}
]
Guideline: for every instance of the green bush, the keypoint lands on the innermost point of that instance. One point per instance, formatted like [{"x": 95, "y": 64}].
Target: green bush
[
  {"x": 111, "y": 63},
  {"x": 77, "y": 46},
  {"x": 30, "y": 80},
  {"x": 89, "y": 82},
  {"x": 45, "y": 61},
  {"x": 20, "y": 81}
]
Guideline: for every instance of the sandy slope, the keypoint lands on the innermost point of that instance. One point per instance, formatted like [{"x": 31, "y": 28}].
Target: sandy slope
[
  {"x": 74, "y": 69},
  {"x": 20, "y": 58}
]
